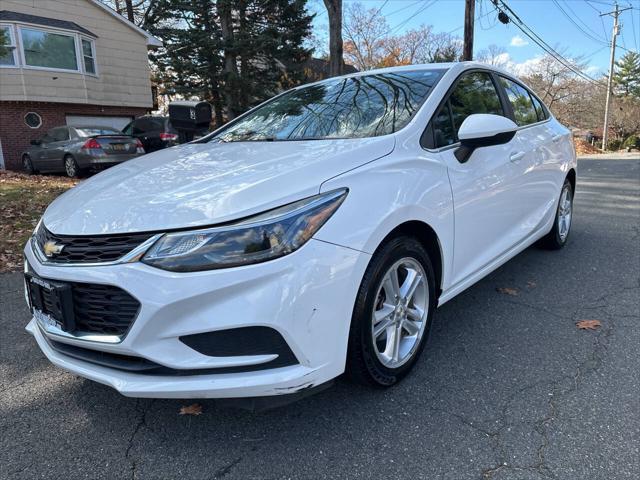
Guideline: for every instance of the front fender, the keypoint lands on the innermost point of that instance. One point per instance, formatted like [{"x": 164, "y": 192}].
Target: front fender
[{"x": 387, "y": 193}]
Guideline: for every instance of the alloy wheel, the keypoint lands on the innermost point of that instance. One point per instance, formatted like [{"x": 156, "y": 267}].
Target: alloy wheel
[
  {"x": 400, "y": 312},
  {"x": 564, "y": 212},
  {"x": 70, "y": 167}
]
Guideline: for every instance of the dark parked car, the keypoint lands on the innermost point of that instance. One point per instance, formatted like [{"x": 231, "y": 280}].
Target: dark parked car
[
  {"x": 154, "y": 132},
  {"x": 74, "y": 150}
]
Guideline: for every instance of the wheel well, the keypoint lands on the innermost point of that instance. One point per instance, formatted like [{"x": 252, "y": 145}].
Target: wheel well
[
  {"x": 429, "y": 240},
  {"x": 572, "y": 178}
]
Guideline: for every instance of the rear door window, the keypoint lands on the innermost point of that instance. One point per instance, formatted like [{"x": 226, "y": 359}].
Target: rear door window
[
  {"x": 59, "y": 134},
  {"x": 540, "y": 111},
  {"x": 523, "y": 110}
]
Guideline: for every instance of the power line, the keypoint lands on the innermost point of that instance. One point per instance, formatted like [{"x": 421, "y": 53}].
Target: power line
[
  {"x": 577, "y": 17},
  {"x": 524, "y": 28},
  {"x": 586, "y": 34},
  {"x": 633, "y": 27}
]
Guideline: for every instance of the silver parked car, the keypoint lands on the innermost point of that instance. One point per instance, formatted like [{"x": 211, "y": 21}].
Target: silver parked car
[{"x": 74, "y": 150}]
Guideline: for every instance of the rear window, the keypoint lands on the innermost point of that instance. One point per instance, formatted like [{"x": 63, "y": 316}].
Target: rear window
[
  {"x": 149, "y": 124},
  {"x": 93, "y": 131}
]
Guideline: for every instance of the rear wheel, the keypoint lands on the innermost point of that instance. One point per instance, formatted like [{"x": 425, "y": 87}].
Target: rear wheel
[
  {"x": 71, "y": 167},
  {"x": 392, "y": 314},
  {"x": 27, "y": 165},
  {"x": 557, "y": 237}
]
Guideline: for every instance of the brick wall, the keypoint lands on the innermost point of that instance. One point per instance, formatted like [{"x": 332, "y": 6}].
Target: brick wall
[{"x": 15, "y": 135}]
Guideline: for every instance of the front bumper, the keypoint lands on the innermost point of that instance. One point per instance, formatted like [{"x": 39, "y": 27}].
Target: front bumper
[{"x": 307, "y": 297}]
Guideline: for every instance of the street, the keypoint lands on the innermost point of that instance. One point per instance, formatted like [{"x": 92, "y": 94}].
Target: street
[{"x": 507, "y": 388}]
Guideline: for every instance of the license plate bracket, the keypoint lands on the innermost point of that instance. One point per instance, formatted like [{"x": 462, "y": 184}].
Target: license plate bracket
[{"x": 51, "y": 302}]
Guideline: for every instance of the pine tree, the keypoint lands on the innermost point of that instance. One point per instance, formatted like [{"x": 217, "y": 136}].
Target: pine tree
[
  {"x": 233, "y": 53},
  {"x": 627, "y": 75}
]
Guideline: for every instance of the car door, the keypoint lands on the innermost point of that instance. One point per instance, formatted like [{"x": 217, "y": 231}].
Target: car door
[
  {"x": 56, "y": 149},
  {"x": 537, "y": 187},
  {"x": 487, "y": 207},
  {"x": 41, "y": 155}
]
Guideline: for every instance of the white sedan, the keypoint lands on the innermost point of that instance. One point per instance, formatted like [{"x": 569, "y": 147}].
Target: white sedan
[{"x": 312, "y": 236}]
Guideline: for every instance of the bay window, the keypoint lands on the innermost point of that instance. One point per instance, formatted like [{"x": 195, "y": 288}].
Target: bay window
[
  {"x": 48, "y": 49},
  {"x": 8, "y": 40},
  {"x": 33, "y": 47},
  {"x": 88, "y": 56}
]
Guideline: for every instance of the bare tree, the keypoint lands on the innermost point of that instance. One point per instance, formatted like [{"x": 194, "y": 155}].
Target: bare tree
[
  {"x": 493, "y": 55},
  {"x": 336, "y": 62}
]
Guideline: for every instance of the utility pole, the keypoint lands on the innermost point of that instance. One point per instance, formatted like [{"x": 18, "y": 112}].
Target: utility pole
[
  {"x": 614, "y": 33},
  {"x": 469, "y": 13}
]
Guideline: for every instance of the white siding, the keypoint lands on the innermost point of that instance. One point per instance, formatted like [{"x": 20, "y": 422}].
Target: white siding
[{"x": 121, "y": 57}]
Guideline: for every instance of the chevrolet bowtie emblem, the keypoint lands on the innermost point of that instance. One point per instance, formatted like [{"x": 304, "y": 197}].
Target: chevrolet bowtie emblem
[{"x": 51, "y": 248}]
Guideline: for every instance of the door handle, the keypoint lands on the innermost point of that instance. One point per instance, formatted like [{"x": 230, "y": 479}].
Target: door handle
[
  {"x": 556, "y": 138},
  {"x": 515, "y": 156}
]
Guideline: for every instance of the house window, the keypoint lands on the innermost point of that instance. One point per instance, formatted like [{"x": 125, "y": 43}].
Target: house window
[
  {"x": 48, "y": 49},
  {"x": 9, "y": 41},
  {"x": 33, "y": 120},
  {"x": 88, "y": 56}
]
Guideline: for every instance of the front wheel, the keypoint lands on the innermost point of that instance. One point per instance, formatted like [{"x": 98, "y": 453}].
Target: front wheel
[
  {"x": 557, "y": 237},
  {"x": 392, "y": 314}
]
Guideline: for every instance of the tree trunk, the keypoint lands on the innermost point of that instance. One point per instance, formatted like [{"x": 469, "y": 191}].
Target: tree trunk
[
  {"x": 336, "y": 63},
  {"x": 230, "y": 69},
  {"x": 130, "y": 16}
]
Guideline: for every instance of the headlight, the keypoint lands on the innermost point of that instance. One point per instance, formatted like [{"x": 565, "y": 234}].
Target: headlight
[{"x": 256, "y": 239}]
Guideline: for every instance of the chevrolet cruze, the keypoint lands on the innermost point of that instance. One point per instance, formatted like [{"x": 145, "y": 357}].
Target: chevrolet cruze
[{"x": 314, "y": 235}]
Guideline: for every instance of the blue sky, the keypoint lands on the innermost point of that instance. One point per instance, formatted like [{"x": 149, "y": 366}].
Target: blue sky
[{"x": 543, "y": 16}]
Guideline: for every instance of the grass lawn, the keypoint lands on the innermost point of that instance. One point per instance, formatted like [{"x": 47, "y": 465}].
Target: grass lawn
[{"x": 23, "y": 199}]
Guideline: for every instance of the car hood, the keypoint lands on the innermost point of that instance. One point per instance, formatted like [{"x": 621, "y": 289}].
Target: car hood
[{"x": 205, "y": 184}]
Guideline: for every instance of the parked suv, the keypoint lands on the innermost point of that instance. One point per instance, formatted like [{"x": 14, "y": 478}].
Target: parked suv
[
  {"x": 73, "y": 150},
  {"x": 154, "y": 132}
]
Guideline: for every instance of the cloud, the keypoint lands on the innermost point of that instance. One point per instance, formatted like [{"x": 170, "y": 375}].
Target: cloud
[{"x": 518, "y": 41}]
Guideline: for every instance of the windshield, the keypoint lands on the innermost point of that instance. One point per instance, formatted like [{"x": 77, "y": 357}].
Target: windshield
[
  {"x": 93, "y": 131},
  {"x": 355, "y": 107}
]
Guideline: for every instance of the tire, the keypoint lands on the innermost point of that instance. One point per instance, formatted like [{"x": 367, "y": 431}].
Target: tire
[
  {"x": 375, "y": 363},
  {"x": 71, "y": 167},
  {"x": 559, "y": 234},
  {"x": 27, "y": 165}
]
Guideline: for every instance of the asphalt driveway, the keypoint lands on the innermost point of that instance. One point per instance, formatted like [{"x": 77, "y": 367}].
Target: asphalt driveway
[{"x": 508, "y": 387}]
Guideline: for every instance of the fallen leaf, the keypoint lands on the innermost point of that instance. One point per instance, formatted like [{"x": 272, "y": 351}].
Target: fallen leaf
[
  {"x": 588, "y": 324},
  {"x": 508, "y": 291},
  {"x": 531, "y": 284},
  {"x": 193, "y": 409}
]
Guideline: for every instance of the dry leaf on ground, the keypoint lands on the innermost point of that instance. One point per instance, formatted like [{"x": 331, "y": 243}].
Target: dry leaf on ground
[
  {"x": 508, "y": 291},
  {"x": 588, "y": 324},
  {"x": 193, "y": 409}
]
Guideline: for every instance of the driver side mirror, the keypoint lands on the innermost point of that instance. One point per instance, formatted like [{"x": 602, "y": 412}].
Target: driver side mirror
[
  {"x": 483, "y": 130},
  {"x": 36, "y": 142}
]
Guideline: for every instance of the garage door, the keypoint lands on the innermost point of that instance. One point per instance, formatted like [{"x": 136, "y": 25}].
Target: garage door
[{"x": 98, "y": 121}]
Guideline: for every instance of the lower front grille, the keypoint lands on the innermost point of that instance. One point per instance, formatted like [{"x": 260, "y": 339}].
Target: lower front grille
[
  {"x": 103, "y": 309},
  {"x": 100, "y": 309}
]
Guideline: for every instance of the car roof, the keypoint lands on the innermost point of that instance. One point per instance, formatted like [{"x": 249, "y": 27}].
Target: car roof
[{"x": 456, "y": 67}]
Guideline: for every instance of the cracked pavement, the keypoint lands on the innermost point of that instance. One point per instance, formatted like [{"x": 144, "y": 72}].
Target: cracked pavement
[{"x": 507, "y": 389}]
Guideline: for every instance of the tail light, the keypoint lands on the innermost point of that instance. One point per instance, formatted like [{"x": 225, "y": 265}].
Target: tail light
[
  {"x": 139, "y": 146},
  {"x": 92, "y": 144},
  {"x": 168, "y": 137}
]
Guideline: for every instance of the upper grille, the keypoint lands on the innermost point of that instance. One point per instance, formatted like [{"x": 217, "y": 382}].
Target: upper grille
[{"x": 90, "y": 249}]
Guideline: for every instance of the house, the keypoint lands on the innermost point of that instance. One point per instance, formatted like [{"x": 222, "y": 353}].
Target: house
[{"x": 70, "y": 62}]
